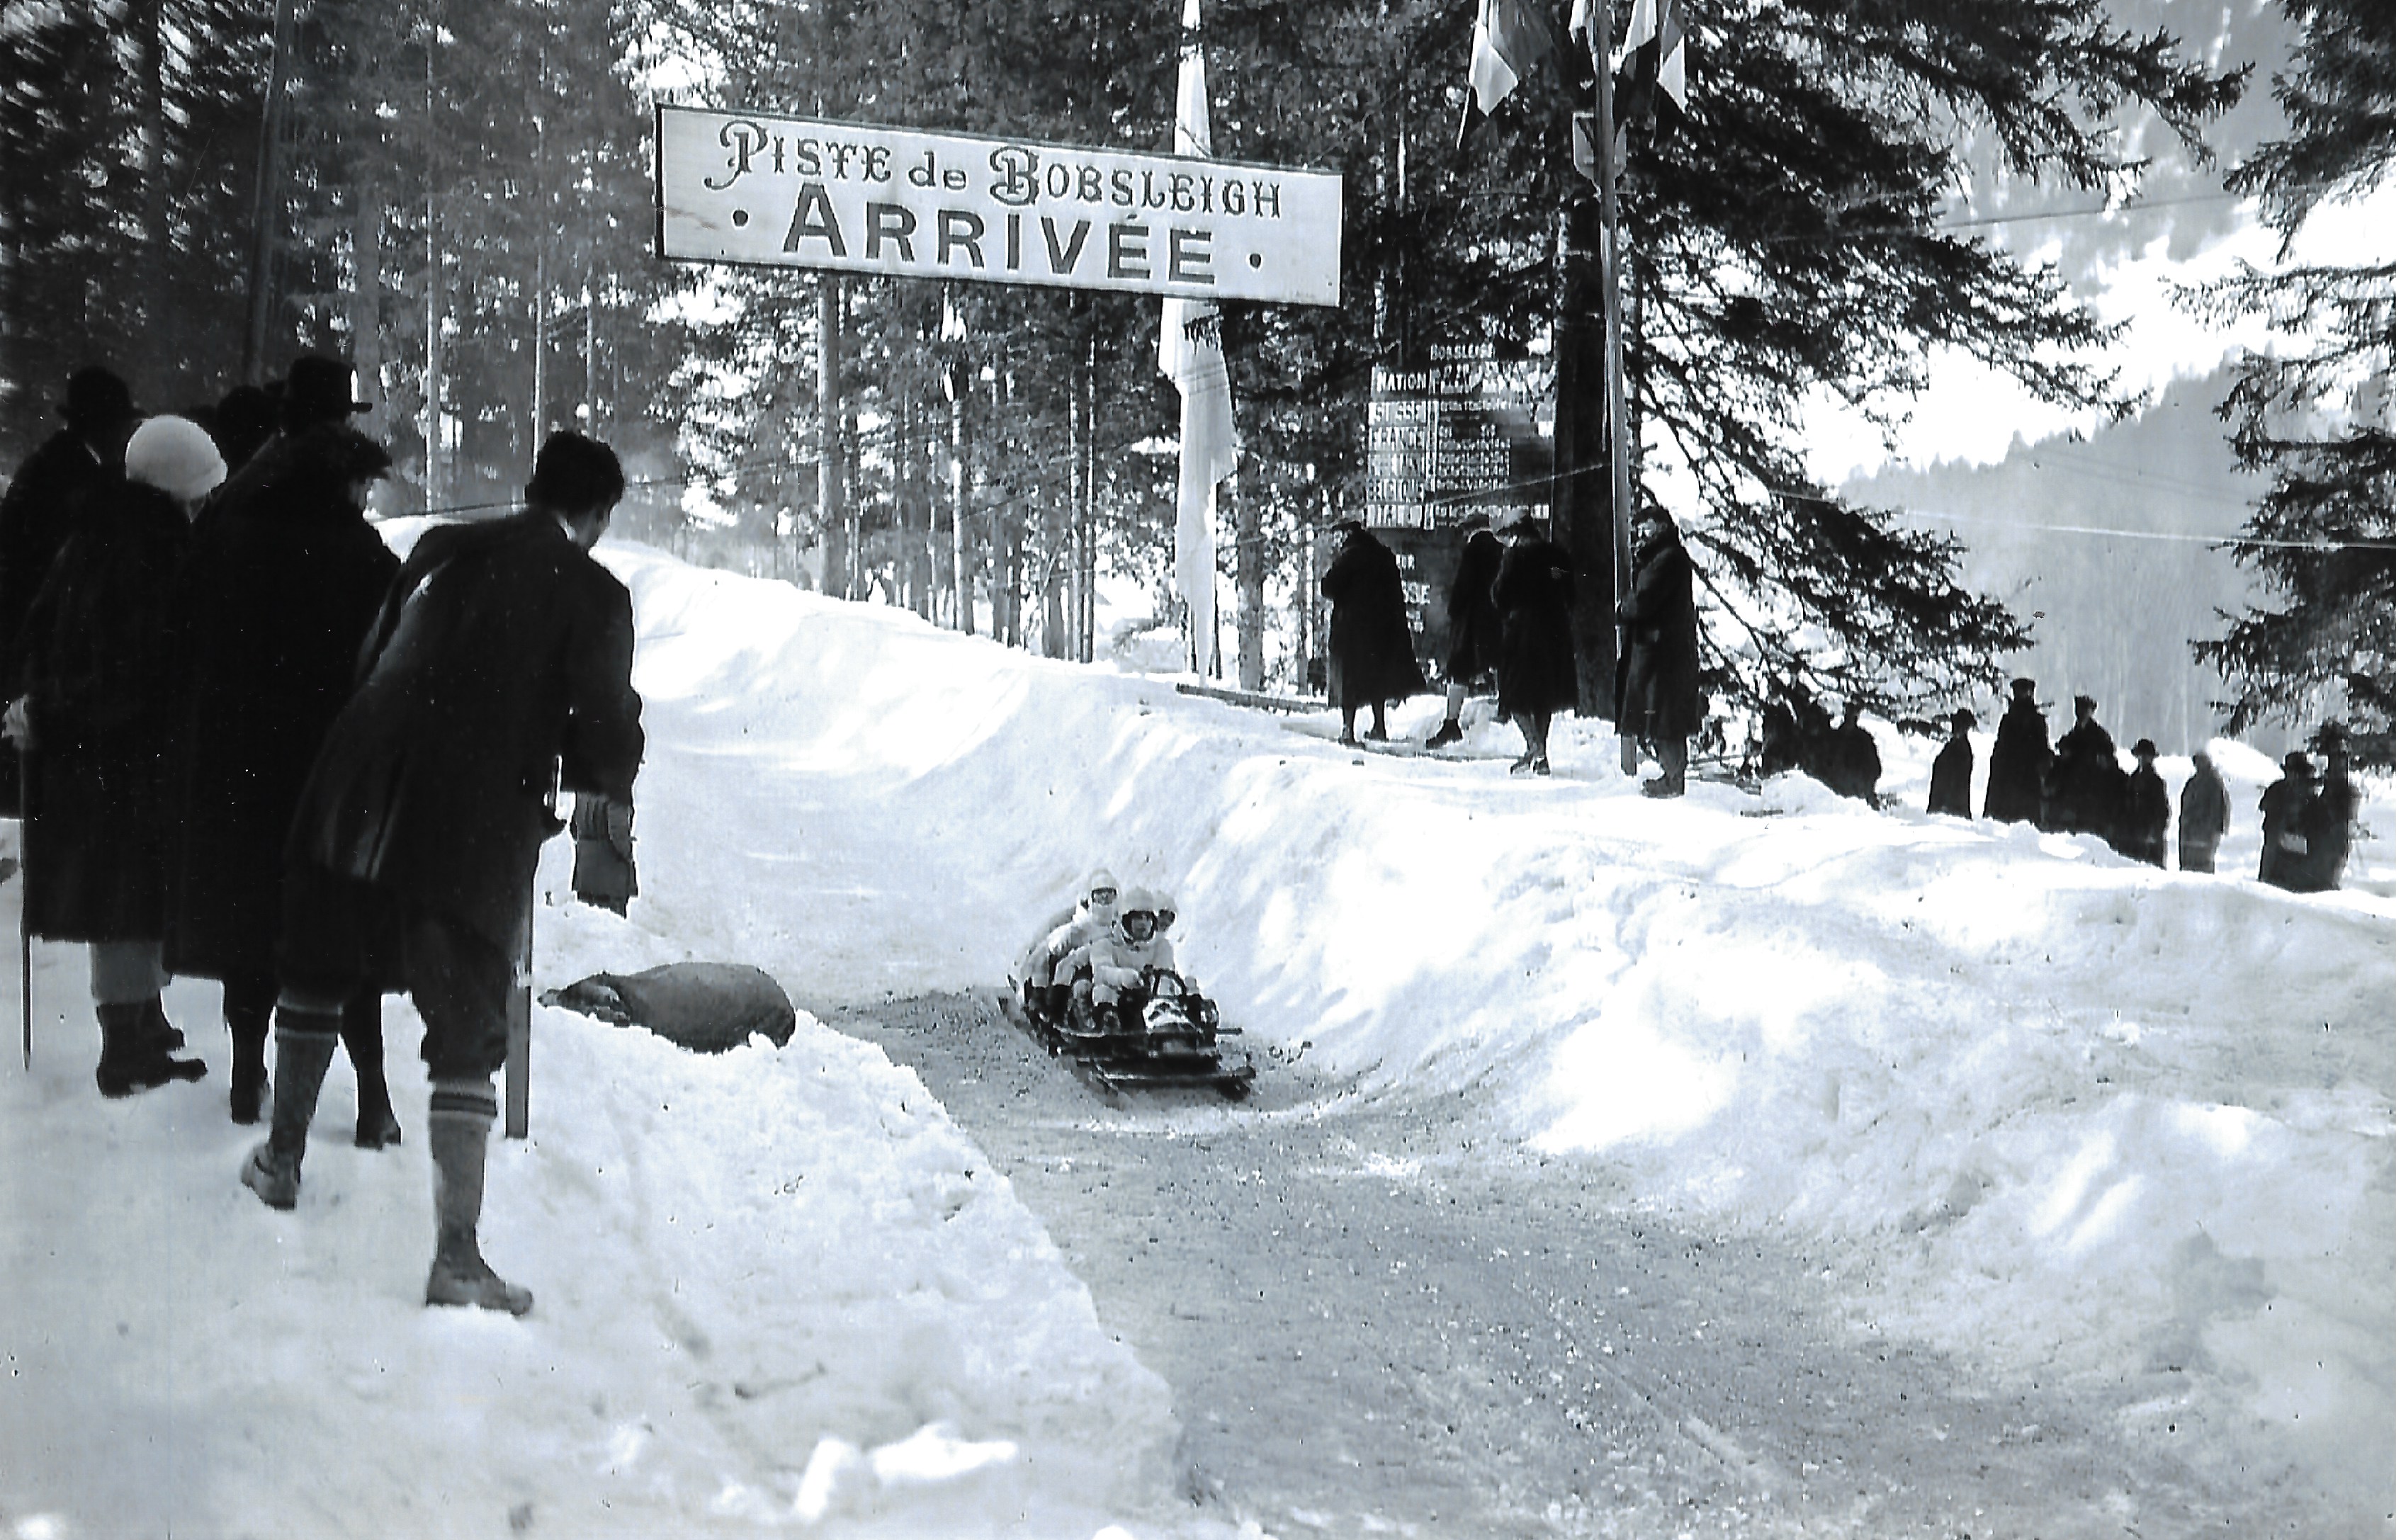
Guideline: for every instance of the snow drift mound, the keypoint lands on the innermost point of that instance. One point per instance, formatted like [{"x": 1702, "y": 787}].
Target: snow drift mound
[{"x": 2065, "y": 1114}]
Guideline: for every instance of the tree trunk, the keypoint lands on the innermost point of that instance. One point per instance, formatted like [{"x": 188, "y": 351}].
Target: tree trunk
[
  {"x": 266, "y": 212},
  {"x": 1248, "y": 569},
  {"x": 158, "y": 321},
  {"x": 366, "y": 302},
  {"x": 960, "y": 564},
  {"x": 829, "y": 509}
]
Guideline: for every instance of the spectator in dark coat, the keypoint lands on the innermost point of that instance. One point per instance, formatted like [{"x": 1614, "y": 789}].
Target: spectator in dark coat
[
  {"x": 1371, "y": 652},
  {"x": 2145, "y": 809},
  {"x": 1474, "y": 631},
  {"x": 2018, "y": 764},
  {"x": 42, "y": 506},
  {"x": 1951, "y": 772},
  {"x": 99, "y": 677},
  {"x": 1855, "y": 758},
  {"x": 2203, "y": 815},
  {"x": 1657, "y": 684},
  {"x": 1537, "y": 676},
  {"x": 245, "y": 421},
  {"x": 2328, "y": 824},
  {"x": 2084, "y": 786},
  {"x": 284, "y": 577},
  {"x": 2288, "y": 811},
  {"x": 497, "y": 672}
]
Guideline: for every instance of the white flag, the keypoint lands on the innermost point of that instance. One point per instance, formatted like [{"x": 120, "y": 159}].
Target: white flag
[{"x": 1189, "y": 351}]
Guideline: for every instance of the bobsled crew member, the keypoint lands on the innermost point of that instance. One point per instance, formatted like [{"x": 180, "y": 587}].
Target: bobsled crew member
[
  {"x": 1093, "y": 912},
  {"x": 1120, "y": 958}
]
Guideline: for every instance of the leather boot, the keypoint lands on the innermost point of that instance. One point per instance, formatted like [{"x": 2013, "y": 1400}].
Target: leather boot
[
  {"x": 132, "y": 1057},
  {"x": 246, "y": 1025},
  {"x": 361, "y": 1035},
  {"x": 303, "y": 1051},
  {"x": 458, "y": 1129}
]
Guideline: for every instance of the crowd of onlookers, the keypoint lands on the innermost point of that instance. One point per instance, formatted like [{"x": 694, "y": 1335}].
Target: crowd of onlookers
[
  {"x": 2077, "y": 785},
  {"x": 248, "y": 742}
]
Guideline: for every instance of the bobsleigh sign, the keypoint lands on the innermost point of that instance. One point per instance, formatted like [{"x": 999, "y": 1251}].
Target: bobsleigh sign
[{"x": 741, "y": 187}]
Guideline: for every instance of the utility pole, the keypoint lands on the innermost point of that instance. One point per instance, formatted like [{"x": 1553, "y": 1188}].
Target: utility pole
[{"x": 1601, "y": 49}]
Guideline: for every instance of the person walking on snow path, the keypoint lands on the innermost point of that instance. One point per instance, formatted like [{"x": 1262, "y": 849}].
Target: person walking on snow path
[
  {"x": 2203, "y": 815},
  {"x": 498, "y": 670},
  {"x": 284, "y": 577},
  {"x": 1951, "y": 772},
  {"x": 1657, "y": 684},
  {"x": 1537, "y": 677},
  {"x": 2018, "y": 764},
  {"x": 1371, "y": 652},
  {"x": 1475, "y": 632},
  {"x": 99, "y": 679}
]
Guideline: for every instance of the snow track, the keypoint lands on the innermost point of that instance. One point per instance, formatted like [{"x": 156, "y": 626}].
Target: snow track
[{"x": 1376, "y": 1323}]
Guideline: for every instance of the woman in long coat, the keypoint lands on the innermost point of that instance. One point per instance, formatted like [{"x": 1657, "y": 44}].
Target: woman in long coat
[
  {"x": 97, "y": 716},
  {"x": 1535, "y": 673},
  {"x": 1475, "y": 633},
  {"x": 2018, "y": 764},
  {"x": 1372, "y": 651},
  {"x": 285, "y": 578},
  {"x": 1660, "y": 661}
]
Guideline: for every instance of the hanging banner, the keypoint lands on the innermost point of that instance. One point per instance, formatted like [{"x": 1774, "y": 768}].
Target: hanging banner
[{"x": 775, "y": 192}]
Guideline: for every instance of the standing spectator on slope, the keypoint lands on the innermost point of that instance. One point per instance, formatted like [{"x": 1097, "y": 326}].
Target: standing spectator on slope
[
  {"x": 2287, "y": 810},
  {"x": 284, "y": 577},
  {"x": 1657, "y": 678},
  {"x": 1855, "y": 758},
  {"x": 43, "y": 506},
  {"x": 2328, "y": 823},
  {"x": 1474, "y": 630},
  {"x": 99, "y": 672},
  {"x": 2145, "y": 809},
  {"x": 1951, "y": 772},
  {"x": 1535, "y": 673},
  {"x": 498, "y": 669},
  {"x": 2203, "y": 815},
  {"x": 2018, "y": 764},
  {"x": 1371, "y": 652},
  {"x": 2084, "y": 784}
]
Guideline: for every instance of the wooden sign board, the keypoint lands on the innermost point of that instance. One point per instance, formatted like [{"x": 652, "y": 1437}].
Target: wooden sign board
[{"x": 804, "y": 192}]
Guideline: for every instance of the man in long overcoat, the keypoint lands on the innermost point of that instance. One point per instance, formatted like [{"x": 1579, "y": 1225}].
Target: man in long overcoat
[
  {"x": 2328, "y": 824},
  {"x": 1537, "y": 676},
  {"x": 2287, "y": 810},
  {"x": 42, "y": 508},
  {"x": 2018, "y": 764},
  {"x": 1475, "y": 633},
  {"x": 99, "y": 680},
  {"x": 2085, "y": 786},
  {"x": 2203, "y": 815},
  {"x": 497, "y": 672},
  {"x": 284, "y": 577},
  {"x": 2145, "y": 809},
  {"x": 1372, "y": 651},
  {"x": 1658, "y": 694},
  {"x": 1951, "y": 772}
]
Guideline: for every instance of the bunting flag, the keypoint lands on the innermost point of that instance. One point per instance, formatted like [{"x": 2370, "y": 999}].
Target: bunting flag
[
  {"x": 1189, "y": 352},
  {"x": 1654, "y": 53}
]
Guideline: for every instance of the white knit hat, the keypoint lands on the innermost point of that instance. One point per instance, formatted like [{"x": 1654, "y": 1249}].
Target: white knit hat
[{"x": 176, "y": 456}]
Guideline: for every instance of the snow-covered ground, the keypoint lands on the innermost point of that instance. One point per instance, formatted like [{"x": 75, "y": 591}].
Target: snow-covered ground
[{"x": 2066, "y": 1118}]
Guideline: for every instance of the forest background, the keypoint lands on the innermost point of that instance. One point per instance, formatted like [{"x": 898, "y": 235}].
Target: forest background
[{"x": 1858, "y": 205}]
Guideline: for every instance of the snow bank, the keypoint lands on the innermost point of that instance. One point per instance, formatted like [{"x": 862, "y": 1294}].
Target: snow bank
[
  {"x": 775, "y": 1290},
  {"x": 2071, "y": 1115}
]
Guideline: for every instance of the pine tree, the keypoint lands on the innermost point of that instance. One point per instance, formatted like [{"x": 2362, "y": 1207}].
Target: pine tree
[{"x": 2319, "y": 420}]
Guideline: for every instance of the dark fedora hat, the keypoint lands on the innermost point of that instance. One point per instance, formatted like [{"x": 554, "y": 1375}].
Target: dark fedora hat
[
  {"x": 2025, "y": 687},
  {"x": 96, "y": 398},
  {"x": 317, "y": 390},
  {"x": 2296, "y": 763},
  {"x": 2144, "y": 748}
]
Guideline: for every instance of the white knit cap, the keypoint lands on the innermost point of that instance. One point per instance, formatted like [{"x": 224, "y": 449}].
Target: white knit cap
[{"x": 176, "y": 456}]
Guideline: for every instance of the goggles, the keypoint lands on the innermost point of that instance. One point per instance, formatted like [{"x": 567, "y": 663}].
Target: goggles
[{"x": 1102, "y": 896}]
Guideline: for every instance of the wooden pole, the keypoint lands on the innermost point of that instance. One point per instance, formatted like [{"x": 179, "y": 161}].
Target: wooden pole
[
  {"x": 519, "y": 1073},
  {"x": 1601, "y": 49},
  {"x": 267, "y": 204}
]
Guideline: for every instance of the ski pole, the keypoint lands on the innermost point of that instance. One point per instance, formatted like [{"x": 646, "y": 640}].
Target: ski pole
[{"x": 24, "y": 897}]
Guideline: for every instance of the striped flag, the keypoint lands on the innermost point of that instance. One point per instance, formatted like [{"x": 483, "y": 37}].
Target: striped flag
[
  {"x": 1505, "y": 42},
  {"x": 1654, "y": 49},
  {"x": 1189, "y": 352}
]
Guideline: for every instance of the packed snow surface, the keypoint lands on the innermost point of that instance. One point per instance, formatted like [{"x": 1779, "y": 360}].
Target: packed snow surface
[{"x": 2066, "y": 1117}]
